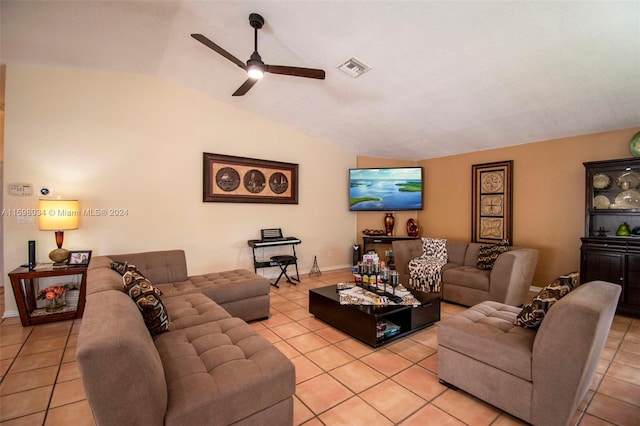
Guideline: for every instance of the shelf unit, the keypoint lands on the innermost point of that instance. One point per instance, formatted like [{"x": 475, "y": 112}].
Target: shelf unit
[
  {"x": 369, "y": 240},
  {"x": 603, "y": 255}
]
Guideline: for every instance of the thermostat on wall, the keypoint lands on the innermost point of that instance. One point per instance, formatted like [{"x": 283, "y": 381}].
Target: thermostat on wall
[{"x": 24, "y": 189}]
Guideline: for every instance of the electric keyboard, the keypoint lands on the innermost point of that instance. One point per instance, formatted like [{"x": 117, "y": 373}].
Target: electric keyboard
[{"x": 269, "y": 242}]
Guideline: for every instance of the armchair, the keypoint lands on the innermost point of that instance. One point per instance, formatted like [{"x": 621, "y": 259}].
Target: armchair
[{"x": 538, "y": 375}]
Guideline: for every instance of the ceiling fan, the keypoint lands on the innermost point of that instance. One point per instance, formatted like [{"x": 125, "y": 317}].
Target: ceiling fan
[{"x": 254, "y": 67}]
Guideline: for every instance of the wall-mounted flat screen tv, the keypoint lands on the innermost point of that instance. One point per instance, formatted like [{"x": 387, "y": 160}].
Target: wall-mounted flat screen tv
[{"x": 385, "y": 189}]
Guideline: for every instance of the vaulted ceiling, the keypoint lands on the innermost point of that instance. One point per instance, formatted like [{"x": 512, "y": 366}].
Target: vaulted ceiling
[{"x": 446, "y": 77}]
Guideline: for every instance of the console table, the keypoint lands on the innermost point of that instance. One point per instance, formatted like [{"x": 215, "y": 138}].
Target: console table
[
  {"x": 25, "y": 287},
  {"x": 381, "y": 239}
]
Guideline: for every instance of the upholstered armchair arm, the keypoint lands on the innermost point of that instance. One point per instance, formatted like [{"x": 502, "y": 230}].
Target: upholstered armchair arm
[
  {"x": 567, "y": 348},
  {"x": 511, "y": 276},
  {"x": 403, "y": 252}
]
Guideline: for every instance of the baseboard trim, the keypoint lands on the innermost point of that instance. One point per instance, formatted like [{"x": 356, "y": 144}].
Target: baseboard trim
[
  {"x": 270, "y": 275},
  {"x": 10, "y": 314}
]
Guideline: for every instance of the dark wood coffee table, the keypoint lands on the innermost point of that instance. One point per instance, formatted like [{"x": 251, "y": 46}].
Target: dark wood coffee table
[{"x": 360, "y": 321}]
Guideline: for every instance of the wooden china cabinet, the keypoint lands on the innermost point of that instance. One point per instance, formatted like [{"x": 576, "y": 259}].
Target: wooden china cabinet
[{"x": 613, "y": 198}]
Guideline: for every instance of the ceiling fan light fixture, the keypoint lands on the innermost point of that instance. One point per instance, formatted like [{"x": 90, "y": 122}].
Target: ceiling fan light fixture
[
  {"x": 255, "y": 71},
  {"x": 255, "y": 66}
]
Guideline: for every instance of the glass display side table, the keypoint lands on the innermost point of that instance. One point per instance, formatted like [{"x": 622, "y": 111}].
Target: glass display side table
[{"x": 25, "y": 288}]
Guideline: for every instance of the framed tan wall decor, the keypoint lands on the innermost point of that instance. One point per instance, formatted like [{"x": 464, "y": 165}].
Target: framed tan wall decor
[
  {"x": 230, "y": 179},
  {"x": 492, "y": 209}
]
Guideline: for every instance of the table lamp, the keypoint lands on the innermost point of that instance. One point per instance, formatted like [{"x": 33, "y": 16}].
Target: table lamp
[{"x": 59, "y": 216}]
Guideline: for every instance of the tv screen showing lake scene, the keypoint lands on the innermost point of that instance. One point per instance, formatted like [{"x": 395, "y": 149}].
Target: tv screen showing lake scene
[{"x": 385, "y": 189}]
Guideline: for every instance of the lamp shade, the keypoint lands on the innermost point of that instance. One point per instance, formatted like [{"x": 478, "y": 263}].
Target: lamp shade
[{"x": 58, "y": 215}]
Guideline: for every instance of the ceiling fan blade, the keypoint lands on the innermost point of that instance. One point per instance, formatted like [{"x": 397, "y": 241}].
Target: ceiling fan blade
[
  {"x": 248, "y": 84},
  {"x": 296, "y": 71},
  {"x": 211, "y": 45}
]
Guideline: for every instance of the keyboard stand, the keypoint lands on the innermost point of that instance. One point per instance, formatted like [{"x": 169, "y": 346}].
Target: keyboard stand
[{"x": 272, "y": 238}]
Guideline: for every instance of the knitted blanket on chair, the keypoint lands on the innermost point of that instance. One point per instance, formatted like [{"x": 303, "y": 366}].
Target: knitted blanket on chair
[{"x": 425, "y": 271}]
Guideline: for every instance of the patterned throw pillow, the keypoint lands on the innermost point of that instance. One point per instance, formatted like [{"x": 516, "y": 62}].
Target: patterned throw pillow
[
  {"x": 534, "y": 312},
  {"x": 122, "y": 267},
  {"x": 487, "y": 255},
  {"x": 147, "y": 298}
]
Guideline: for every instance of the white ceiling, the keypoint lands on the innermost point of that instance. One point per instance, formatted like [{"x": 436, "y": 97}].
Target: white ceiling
[{"x": 447, "y": 77}]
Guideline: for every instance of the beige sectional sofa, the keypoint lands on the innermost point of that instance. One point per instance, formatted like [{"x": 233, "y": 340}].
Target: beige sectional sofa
[
  {"x": 211, "y": 367},
  {"x": 462, "y": 282}
]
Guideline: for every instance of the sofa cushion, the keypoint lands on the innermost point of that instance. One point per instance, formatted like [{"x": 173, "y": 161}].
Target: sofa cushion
[
  {"x": 467, "y": 276},
  {"x": 159, "y": 266},
  {"x": 177, "y": 288},
  {"x": 487, "y": 255},
  {"x": 192, "y": 309},
  {"x": 225, "y": 286},
  {"x": 534, "y": 312},
  {"x": 222, "y": 372},
  {"x": 119, "y": 363},
  {"x": 456, "y": 251},
  {"x": 471, "y": 254},
  {"x": 147, "y": 298},
  {"x": 469, "y": 331}
]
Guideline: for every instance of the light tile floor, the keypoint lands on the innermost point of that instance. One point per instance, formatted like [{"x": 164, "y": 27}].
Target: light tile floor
[{"x": 340, "y": 381}]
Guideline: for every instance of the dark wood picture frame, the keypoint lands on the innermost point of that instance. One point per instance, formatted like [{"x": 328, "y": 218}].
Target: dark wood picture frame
[
  {"x": 492, "y": 202},
  {"x": 231, "y": 179},
  {"x": 76, "y": 258}
]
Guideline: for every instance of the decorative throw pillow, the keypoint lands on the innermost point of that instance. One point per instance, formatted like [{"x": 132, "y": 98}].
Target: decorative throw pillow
[
  {"x": 147, "y": 298},
  {"x": 534, "y": 312},
  {"x": 122, "y": 267},
  {"x": 487, "y": 255}
]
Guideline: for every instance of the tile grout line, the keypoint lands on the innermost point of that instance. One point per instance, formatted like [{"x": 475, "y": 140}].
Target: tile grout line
[
  {"x": 13, "y": 360},
  {"x": 55, "y": 382},
  {"x": 604, "y": 374}
]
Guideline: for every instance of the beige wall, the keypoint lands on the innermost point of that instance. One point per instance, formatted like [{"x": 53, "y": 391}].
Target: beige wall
[
  {"x": 122, "y": 141},
  {"x": 548, "y": 195}
]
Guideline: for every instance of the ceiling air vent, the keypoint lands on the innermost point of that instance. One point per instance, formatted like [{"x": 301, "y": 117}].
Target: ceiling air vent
[{"x": 354, "y": 67}]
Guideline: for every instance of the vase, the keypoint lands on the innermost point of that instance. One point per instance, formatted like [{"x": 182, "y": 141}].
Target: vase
[
  {"x": 634, "y": 145},
  {"x": 54, "y": 305},
  {"x": 412, "y": 228},
  {"x": 389, "y": 221}
]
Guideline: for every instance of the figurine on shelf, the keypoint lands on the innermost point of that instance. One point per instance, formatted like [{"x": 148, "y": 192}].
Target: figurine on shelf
[
  {"x": 623, "y": 230},
  {"x": 412, "y": 228}
]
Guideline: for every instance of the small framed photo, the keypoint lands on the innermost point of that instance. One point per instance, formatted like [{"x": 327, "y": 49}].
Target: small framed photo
[{"x": 79, "y": 258}]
